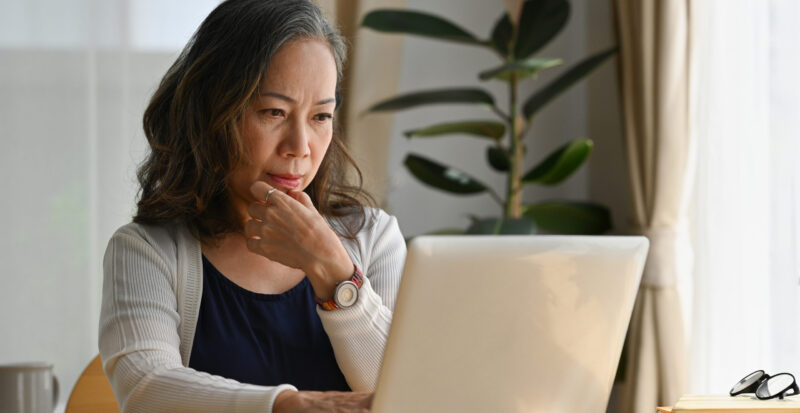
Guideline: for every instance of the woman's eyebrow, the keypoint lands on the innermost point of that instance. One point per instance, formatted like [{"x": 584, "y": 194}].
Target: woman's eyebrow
[{"x": 292, "y": 101}]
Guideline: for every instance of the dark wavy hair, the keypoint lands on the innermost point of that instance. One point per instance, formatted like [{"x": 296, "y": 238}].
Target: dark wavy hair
[{"x": 192, "y": 121}]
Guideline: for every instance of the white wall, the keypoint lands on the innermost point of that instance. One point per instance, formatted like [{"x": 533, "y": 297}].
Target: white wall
[
  {"x": 61, "y": 201},
  {"x": 75, "y": 77},
  {"x": 586, "y": 110}
]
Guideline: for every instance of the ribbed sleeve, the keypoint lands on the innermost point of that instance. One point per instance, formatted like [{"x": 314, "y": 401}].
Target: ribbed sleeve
[
  {"x": 358, "y": 334},
  {"x": 141, "y": 330}
]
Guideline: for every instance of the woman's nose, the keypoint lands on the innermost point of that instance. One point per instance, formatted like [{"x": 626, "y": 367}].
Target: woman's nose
[{"x": 295, "y": 142}]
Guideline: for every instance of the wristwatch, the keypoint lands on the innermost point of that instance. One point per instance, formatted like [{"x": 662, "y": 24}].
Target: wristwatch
[{"x": 345, "y": 294}]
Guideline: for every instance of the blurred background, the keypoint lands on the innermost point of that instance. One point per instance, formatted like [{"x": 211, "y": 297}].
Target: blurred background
[{"x": 76, "y": 75}]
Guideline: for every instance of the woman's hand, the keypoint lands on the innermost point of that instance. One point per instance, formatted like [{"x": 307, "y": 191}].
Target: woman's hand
[
  {"x": 290, "y": 401},
  {"x": 288, "y": 229}
]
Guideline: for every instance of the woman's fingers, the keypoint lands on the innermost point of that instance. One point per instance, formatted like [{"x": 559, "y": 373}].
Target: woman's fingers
[
  {"x": 253, "y": 245},
  {"x": 259, "y": 190},
  {"x": 276, "y": 201},
  {"x": 253, "y": 228},
  {"x": 264, "y": 193},
  {"x": 318, "y": 402},
  {"x": 366, "y": 402},
  {"x": 302, "y": 198},
  {"x": 352, "y": 400},
  {"x": 257, "y": 211}
]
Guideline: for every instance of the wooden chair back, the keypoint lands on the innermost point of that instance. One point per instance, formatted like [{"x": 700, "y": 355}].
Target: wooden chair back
[{"x": 92, "y": 393}]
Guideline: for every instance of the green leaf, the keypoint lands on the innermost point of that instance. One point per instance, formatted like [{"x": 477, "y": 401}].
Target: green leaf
[
  {"x": 442, "y": 177},
  {"x": 417, "y": 23},
  {"x": 432, "y": 97},
  {"x": 498, "y": 159},
  {"x": 524, "y": 68},
  {"x": 539, "y": 22},
  {"x": 563, "y": 82},
  {"x": 560, "y": 164},
  {"x": 495, "y": 226},
  {"x": 566, "y": 217},
  {"x": 502, "y": 34},
  {"x": 486, "y": 128}
]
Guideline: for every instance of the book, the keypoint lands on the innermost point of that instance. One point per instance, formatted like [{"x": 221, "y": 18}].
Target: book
[{"x": 698, "y": 403}]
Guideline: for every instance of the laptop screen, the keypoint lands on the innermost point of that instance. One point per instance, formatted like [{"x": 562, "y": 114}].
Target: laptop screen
[{"x": 509, "y": 323}]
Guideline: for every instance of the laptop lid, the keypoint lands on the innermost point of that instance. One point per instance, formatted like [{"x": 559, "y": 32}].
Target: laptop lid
[{"x": 509, "y": 323}]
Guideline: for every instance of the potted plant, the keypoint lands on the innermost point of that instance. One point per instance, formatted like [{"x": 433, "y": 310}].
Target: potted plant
[{"x": 515, "y": 45}]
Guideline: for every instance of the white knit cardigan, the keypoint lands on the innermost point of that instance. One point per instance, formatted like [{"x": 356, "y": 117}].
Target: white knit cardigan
[{"x": 152, "y": 286}]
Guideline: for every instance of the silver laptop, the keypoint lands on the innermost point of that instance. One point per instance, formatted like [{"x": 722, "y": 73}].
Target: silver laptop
[{"x": 509, "y": 324}]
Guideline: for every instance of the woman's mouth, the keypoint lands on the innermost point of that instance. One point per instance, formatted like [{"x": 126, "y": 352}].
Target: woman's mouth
[{"x": 286, "y": 181}]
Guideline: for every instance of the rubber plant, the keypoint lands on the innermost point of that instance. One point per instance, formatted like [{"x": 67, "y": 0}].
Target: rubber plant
[{"x": 515, "y": 45}]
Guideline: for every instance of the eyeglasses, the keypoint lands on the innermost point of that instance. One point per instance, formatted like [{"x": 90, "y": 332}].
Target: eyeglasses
[{"x": 765, "y": 386}]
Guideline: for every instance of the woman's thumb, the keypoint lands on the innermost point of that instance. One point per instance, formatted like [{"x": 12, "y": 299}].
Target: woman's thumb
[{"x": 302, "y": 198}]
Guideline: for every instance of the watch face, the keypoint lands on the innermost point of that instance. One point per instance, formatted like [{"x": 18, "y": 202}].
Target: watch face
[{"x": 346, "y": 294}]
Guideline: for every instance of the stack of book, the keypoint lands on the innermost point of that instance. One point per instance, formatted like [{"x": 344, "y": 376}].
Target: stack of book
[{"x": 694, "y": 403}]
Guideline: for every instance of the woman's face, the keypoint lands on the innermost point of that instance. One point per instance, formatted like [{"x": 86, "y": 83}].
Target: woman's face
[{"x": 287, "y": 128}]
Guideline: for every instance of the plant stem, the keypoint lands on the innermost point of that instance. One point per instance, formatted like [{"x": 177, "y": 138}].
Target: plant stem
[{"x": 513, "y": 207}]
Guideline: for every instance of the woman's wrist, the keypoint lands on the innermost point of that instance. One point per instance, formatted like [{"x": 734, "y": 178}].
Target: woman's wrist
[
  {"x": 325, "y": 276},
  {"x": 283, "y": 400}
]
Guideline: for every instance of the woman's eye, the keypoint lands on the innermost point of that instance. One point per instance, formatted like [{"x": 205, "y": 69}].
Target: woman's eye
[
  {"x": 273, "y": 112},
  {"x": 322, "y": 117}
]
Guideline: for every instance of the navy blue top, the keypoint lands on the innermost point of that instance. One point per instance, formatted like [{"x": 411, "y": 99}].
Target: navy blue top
[{"x": 265, "y": 339}]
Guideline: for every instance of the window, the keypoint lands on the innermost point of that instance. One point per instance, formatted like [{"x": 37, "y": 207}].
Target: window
[{"x": 746, "y": 122}]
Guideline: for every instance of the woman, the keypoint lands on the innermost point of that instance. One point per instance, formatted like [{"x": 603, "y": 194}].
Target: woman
[{"x": 253, "y": 278}]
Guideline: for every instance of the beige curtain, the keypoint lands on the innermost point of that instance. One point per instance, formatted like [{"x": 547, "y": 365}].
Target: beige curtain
[
  {"x": 371, "y": 74},
  {"x": 654, "y": 76}
]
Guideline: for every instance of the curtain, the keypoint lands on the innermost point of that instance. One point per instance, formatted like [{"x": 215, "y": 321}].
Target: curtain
[
  {"x": 372, "y": 74},
  {"x": 75, "y": 77},
  {"x": 654, "y": 38},
  {"x": 746, "y": 219}
]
